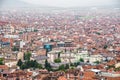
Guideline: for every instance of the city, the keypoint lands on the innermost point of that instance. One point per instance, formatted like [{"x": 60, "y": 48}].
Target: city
[{"x": 60, "y": 43}]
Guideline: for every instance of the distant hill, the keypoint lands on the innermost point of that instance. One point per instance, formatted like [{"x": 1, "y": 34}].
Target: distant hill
[
  {"x": 14, "y": 3},
  {"x": 22, "y": 4},
  {"x": 19, "y": 3}
]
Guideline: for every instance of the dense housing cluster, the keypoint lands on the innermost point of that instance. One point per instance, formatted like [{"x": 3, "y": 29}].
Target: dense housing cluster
[{"x": 60, "y": 44}]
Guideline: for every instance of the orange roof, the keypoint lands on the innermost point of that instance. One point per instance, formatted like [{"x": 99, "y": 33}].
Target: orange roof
[
  {"x": 3, "y": 67},
  {"x": 117, "y": 48},
  {"x": 29, "y": 73},
  {"x": 62, "y": 78},
  {"x": 88, "y": 75},
  {"x": 113, "y": 78},
  {"x": 112, "y": 62}
]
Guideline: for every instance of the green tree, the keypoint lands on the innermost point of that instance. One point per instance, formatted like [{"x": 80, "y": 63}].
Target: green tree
[
  {"x": 20, "y": 32},
  {"x": 40, "y": 66},
  {"x": 71, "y": 64},
  {"x": 59, "y": 55},
  {"x": 27, "y": 56},
  {"x": 46, "y": 63},
  {"x": 48, "y": 66},
  {"x": 19, "y": 63},
  {"x": 15, "y": 48},
  {"x": 81, "y": 60},
  {"x": 52, "y": 40},
  {"x": 62, "y": 67},
  {"x": 67, "y": 66},
  {"x": 35, "y": 64},
  {"x": 105, "y": 46},
  {"x": 1, "y": 61},
  {"x": 30, "y": 64},
  {"x": 117, "y": 69},
  {"x": 58, "y": 60},
  {"x": 98, "y": 33},
  {"x": 23, "y": 66},
  {"x": 75, "y": 64},
  {"x": 110, "y": 66},
  {"x": 97, "y": 62},
  {"x": 35, "y": 30}
]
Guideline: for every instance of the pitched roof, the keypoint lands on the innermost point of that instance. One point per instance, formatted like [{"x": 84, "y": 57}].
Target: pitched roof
[
  {"x": 62, "y": 78},
  {"x": 3, "y": 67}
]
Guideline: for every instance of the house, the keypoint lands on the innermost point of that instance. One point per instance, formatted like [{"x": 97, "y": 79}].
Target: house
[
  {"x": 20, "y": 55},
  {"x": 40, "y": 59},
  {"x": 19, "y": 75}
]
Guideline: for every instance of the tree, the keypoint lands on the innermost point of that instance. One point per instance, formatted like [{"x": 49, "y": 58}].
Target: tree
[
  {"x": 58, "y": 60},
  {"x": 40, "y": 66},
  {"x": 20, "y": 32},
  {"x": 52, "y": 40},
  {"x": 19, "y": 63},
  {"x": 97, "y": 62},
  {"x": 30, "y": 64},
  {"x": 62, "y": 67},
  {"x": 71, "y": 64},
  {"x": 59, "y": 55},
  {"x": 105, "y": 46},
  {"x": 81, "y": 60},
  {"x": 67, "y": 66},
  {"x": 1, "y": 61},
  {"x": 110, "y": 66},
  {"x": 23, "y": 66},
  {"x": 97, "y": 33},
  {"x": 35, "y": 64},
  {"x": 27, "y": 56},
  {"x": 75, "y": 64},
  {"x": 117, "y": 69},
  {"x": 35, "y": 30},
  {"x": 47, "y": 65},
  {"x": 15, "y": 48}
]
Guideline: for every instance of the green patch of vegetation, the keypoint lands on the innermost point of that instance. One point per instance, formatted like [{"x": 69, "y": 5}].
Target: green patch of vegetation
[
  {"x": 20, "y": 32},
  {"x": 19, "y": 63},
  {"x": 62, "y": 68},
  {"x": 97, "y": 62},
  {"x": 1, "y": 61},
  {"x": 98, "y": 33},
  {"x": 110, "y": 66},
  {"x": 15, "y": 48},
  {"x": 94, "y": 48},
  {"x": 35, "y": 30},
  {"x": 48, "y": 66},
  {"x": 76, "y": 64},
  {"x": 58, "y": 60},
  {"x": 29, "y": 64},
  {"x": 117, "y": 69},
  {"x": 81, "y": 60},
  {"x": 27, "y": 56},
  {"x": 71, "y": 64},
  {"x": 105, "y": 47}
]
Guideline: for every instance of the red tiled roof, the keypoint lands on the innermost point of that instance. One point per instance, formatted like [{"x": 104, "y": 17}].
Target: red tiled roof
[
  {"x": 62, "y": 78},
  {"x": 3, "y": 67}
]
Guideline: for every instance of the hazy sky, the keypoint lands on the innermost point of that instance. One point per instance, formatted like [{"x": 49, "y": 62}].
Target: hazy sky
[
  {"x": 58, "y": 3},
  {"x": 72, "y": 3}
]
